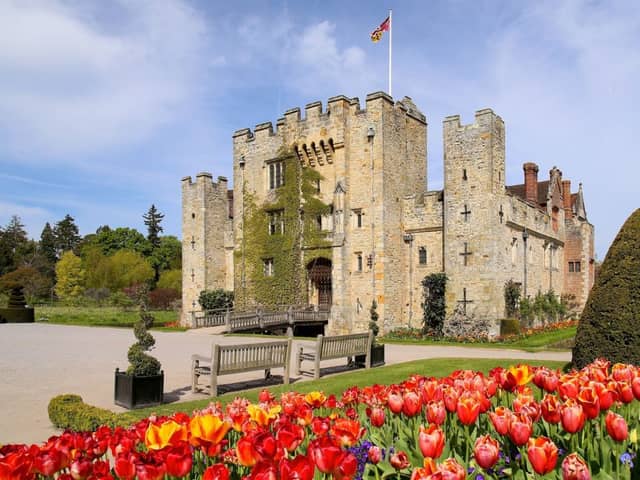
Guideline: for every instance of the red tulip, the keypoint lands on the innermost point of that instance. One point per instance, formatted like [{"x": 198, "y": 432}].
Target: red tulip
[
  {"x": 265, "y": 396},
  {"x": 427, "y": 472},
  {"x": 568, "y": 388},
  {"x": 411, "y": 404},
  {"x": 550, "y": 407},
  {"x": 399, "y": 460},
  {"x": 543, "y": 455},
  {"x": 154, "y": 470},
  {"x": 468, "y": 407},
  {"x": 625, "y": 392},
  {"x": 575, "y": 468},
  {"x": 125, "y": 467},
  {"x": 431, "y": 441},
  {"x": 450, "y": 396},
  {"x": 216, "y": 472},
  {"x": 500, "y": 419},
  {"x": 635, "y": 386},
  {"x": 546, "y": 379},
  {"x": 486, "y": 451},
  {"x": 257, "y": 446},
  {"x": 616, "y": 426},
  {"x": 330, "y": 458},
  {"x": 81, "y": 468},
  {"x": 376, "y": 416},
  {"x": 16, "y": 466},
  {"x": 520, "y": 428},
  {"x": 607, "y": 394},
  {"x": 289, "y": 435},
  {"x": 431, "y": 390},
  {"x": 299, "y": 468},
  {"x": 179, "y": 460},
  {"x": 263, "y": 471},
  {"x": 374, "y": 454},
  {"x": 572, "y": 416},
  {"x": 622, "y": 372},
  {"x": 348, "y": 432},
  {"x": 588, "y": 398},
  {"x": 436, "y": 412},
  {"x": 394, "y": 400}
]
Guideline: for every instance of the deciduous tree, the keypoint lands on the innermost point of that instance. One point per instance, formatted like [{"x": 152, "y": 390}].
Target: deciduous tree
[{"x": 70, "y": 276}]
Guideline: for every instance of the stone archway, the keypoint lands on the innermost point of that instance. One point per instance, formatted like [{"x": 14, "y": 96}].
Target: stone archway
[{"x": 319, "y": 275}]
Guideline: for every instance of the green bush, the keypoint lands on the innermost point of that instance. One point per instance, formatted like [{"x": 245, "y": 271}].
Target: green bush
[
  {"x": 433, "y": 288},
  {"x": 215, "y": 299},
  {"x": 68, "y": 411},
  {"x": 610, "y": 323},
  {"x": 511, "y": 298},
  {"x": 509, "y": 326}
]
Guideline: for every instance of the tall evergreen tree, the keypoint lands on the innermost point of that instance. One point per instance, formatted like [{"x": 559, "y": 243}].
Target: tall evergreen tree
[
  {"x": 152, "y": 220},
  {"x": 48, "y": 244},
  {"x": 66, "y": 233},
  {"x": 13, "y": 241}
]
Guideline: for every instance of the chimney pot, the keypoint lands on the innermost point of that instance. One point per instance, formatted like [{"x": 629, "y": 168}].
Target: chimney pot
[
  {"x": 566, "y": 199},
  {"x": 531, "y": 182}
]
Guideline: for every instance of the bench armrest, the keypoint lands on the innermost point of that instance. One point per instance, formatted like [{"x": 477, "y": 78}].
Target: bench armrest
[{"x": 201, "y": 358}]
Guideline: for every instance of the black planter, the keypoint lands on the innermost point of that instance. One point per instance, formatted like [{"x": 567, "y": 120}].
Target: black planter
[
  {"x": 133, "y": 391},
  {"x": 377, "y": 356}
]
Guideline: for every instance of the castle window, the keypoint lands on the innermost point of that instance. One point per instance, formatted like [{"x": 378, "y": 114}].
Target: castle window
[
  {"x": 358, "y": 261},
  {"x": 464, "y": 173},
  {"x": 319, "y": 222},
  {"x": 358, "y": 220},
  {"x": 318, "y": 186},
  {"x": 514, "y": 250},
  {"x": 276, "y": 222},
  {"x": 267, "y": 267},
  {"x": 276, "y": 174},
  {"x": 193, "y": 215},
  {"x": 574, "y": 267},
  {"x": 422, "y": 255}
]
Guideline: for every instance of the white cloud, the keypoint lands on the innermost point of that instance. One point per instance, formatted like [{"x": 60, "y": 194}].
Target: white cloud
[
  {"x": 33, "y": 218},
  {"x": 72, "y": 85}
]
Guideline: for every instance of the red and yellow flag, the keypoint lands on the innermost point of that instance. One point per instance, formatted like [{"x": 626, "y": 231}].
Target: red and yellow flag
[{"x": 376, "y": 35}]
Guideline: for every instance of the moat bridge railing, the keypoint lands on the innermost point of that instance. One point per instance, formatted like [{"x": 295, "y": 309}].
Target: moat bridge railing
[{"x": 283, "y": 318}]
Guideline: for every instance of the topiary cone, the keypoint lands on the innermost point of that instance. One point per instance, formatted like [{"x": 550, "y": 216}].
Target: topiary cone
[
  {"x": 16, "y": 298},
  {"x": 610, "y": 323}
]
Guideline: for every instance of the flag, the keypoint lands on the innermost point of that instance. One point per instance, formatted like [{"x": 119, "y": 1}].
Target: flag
[{"x": 376, "y": 35}]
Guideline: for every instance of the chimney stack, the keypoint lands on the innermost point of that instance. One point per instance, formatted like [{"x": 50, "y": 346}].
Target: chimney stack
[
  {"x": 566, "y": 199},
  {"x": 531, "y": 182}
]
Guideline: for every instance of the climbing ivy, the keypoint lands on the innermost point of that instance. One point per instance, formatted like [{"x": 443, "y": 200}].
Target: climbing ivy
[{"x": 301, "y": 242}]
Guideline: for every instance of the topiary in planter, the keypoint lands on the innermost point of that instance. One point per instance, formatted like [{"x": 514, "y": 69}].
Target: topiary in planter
[
  {"x": 17, "y": 310},
  {"x": 139, "y": 362},
  {"x": 16, "y": 297},
  {"x": 610, "y": 323}
]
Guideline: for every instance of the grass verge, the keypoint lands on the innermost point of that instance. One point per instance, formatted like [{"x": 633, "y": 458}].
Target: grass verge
[
  {"x": 336, "y": 384},
  {"x": 103, "y": 317}
]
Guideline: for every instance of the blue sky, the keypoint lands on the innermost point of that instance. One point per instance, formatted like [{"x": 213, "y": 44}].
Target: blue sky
[{"x": 104, "y": 106}]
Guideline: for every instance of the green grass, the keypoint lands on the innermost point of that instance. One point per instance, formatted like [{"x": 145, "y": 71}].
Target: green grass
[
  {"x": 102, "y": 317},
  {"x": 532, "y": 343},
  {"x": 336, "y": 384}
]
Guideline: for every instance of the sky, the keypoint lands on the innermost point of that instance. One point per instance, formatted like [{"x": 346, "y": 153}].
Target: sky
[{"x": 105, "y": 106}]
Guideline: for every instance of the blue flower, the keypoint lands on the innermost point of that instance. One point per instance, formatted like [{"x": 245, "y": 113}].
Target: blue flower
[{"x": 626, "y": 459}]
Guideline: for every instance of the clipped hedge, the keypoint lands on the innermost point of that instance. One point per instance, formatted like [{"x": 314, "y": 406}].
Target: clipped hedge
[
  {"x": 509, "y": 326},
  {"x": 610, "y": 323},
  {"x": 69, "y": 412}
]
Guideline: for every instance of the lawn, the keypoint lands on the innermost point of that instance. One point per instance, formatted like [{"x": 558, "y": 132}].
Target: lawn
[
  {"x": 101, "y": 316},
  {"x": 336, "y": 384}
]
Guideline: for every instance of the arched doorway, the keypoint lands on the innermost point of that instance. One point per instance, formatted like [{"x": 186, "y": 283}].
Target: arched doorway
[{"x": 319, "y": 275}]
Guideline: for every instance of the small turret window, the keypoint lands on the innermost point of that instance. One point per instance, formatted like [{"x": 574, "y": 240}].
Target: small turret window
[
  {"x": 464, "y": 173},
  {"x": 276, "y": 174},
  {"x": 422, "y": 255},
  {"x": 193, "y": 215}
]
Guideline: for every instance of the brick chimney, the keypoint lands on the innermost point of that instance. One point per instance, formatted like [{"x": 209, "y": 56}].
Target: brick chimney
[
  {"x": 566, "y": 199},
  {"x": 530, "y": 182}
]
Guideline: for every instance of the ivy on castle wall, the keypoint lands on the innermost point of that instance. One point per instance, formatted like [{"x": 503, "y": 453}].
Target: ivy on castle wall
[{"x": 291, "y": 249}]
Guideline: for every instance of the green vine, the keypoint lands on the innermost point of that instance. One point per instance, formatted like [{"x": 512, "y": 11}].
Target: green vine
[{"x": 291, "y": 250}]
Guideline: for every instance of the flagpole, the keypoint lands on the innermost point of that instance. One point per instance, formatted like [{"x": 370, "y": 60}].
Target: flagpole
[{"x": 390, "y": 45}]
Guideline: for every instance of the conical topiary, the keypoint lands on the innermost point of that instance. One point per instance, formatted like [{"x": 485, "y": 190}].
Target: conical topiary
[
  {"x": 610, "y": 322},
  {"x": 16, "y": 297}
]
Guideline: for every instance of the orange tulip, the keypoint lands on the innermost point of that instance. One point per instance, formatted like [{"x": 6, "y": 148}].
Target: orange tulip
[
  {"x": 168, "y": 433},
  {"x": 468, "y": 407},
  {"x": 575, "y": 468},
  {"x": 208, "y": 431},
  {"x": 262, "y": 416},
  {"x": 550, "y": 406},
  {"x": 431, "y": 441},
  {"x": 315, "y": 399},
  {"x": 588, "y": 398},
  {"x": 543, "y": 455},
  {"x": 452, "y": 470},
  {"x": 486, "y": 451},
  {"x": 616, "y": 426},
  {"x": 519, "y": 375},
  {"x": 348, "y": 432}
]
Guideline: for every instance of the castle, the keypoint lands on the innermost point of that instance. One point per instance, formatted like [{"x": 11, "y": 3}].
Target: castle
[{"x": 333, "y": 210}]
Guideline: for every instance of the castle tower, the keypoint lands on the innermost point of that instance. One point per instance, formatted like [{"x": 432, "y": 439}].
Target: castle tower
[
  {"x": 474, "y": 171},
  {"x": 207, "y": 251}
]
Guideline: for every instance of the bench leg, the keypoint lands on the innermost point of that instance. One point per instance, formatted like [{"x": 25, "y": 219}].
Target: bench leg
[
  {"x": 316, "y": 373},
  {"x": 267, "y": 374},
  {"x": 194, "y": 376},
  {"x": 299, "y": 361},
  {"x": 214, "y": 385}
]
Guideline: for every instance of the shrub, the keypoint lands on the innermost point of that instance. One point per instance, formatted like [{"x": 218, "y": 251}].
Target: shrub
[
  {"x": 373, "y": 322},
  {"x": 511, "y": 298},
  {"x": 434, "y": 286},
  {"x": 610, "y": 323},
  {"x": 509, "y": 326},
  {"x": 68, "y": 411},
  {"x": 162, "y": 298},
  {"x": 98, "y": 295},
  {"x": 139, "y": 362},
  {"x": 171, "y": 279},
  {"x": 215, "y": 299}
]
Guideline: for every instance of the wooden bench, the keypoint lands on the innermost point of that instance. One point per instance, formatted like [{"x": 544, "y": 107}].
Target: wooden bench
[
  {"x": 338, "y": 346},
  {"x": 226, "y": 359}
]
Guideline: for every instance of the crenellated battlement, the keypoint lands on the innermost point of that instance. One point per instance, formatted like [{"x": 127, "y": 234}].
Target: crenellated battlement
[
  {"x": 204, "y": 180},
  {"x": 483, "y": 117},
  {"x": 337, "y": 110}
]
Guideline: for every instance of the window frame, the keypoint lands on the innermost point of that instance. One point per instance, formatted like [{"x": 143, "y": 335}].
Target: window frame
[{"x": 422, "y": 250}]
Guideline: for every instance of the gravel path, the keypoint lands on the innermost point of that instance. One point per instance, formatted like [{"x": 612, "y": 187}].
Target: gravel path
[{"x": 39, "y": 361}]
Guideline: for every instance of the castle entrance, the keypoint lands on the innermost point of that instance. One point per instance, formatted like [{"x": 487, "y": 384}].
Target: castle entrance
[{"x": 319, "y": 275}]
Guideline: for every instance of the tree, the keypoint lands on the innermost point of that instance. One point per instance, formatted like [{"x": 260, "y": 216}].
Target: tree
[
  {"x": 171, "y": 279},
  {"x": 35, "y": 284},
  {"x": 152, "y": 220},
  {"x": 66, "y": 233},
  {"x": 121, "y": 238},
  {"x": 13, "y": 244},
  {"x": 167, "y": 255},
  {"x": 48, "y": 244},
  {"x": 127, "y": 268},
  {"x": 70, "y": 276},
  {"x": 610, "y": 323}
]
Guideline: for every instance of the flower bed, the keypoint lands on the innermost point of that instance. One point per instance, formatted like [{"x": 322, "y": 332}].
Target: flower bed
[{"x": 518, "y": 423}]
